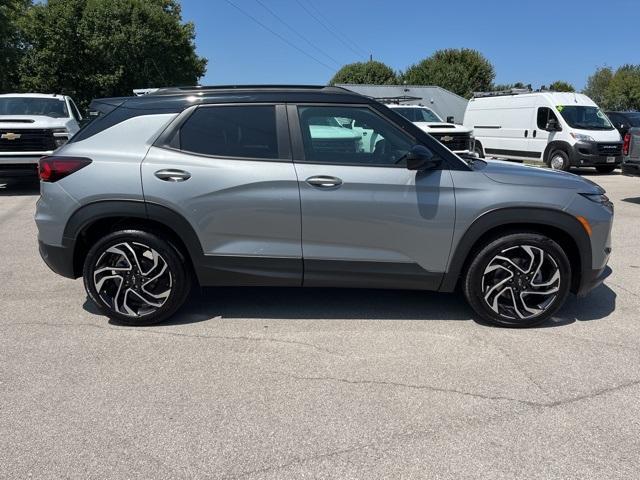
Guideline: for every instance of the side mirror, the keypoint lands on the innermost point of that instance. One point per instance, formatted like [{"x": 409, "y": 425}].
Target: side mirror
[
  {"x": 553, "y": 126},
  {"x": 450, "y": 119},
  {"x": 421, "y": 158}
]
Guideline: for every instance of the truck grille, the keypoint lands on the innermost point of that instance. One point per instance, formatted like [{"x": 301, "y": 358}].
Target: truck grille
[
  {"x": 30, "y": 140},
  {"x": 454, "y": 141},
  {"x": 613, "y": 149}
]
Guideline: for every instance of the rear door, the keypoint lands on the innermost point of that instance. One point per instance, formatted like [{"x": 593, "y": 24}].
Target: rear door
[
  {"x": 366, "y": 219},
  {"x": 227, "y": 169}
]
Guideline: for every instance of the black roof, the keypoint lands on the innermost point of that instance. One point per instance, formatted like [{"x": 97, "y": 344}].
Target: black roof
[{"x": 178, "y": 98}]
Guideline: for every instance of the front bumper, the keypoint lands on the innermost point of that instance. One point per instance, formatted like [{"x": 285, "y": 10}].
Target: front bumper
[
  {"x": 595, "y": 154},
  {"x": 631, "y": 169},
  {"x": 58, "y": 259},
  {"x": 591, "y": 279}
]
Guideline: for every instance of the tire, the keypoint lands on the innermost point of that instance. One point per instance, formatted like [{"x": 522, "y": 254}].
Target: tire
[
  {"x": 534, "y": 263},
  {"x": 605, "y": 168},
  {"x": 478, "y": 149},
  {"x": 559, "y": 160},
  {"x": 154, "y": 272}
]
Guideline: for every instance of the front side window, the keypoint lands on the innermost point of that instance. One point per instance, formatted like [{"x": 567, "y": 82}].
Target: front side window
[
  {"x": 232, "y": 131},
  {"x": 48, "y": 107},
  {"x": 351, "y": 136},
  {"x": 584, "y": 118},
  {"x": 544, "y": 115}
]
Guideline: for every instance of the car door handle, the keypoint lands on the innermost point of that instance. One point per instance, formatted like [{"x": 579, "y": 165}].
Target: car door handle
[
  {"x": 324, "y": 181},
  {"x": 172, "y": 175}
]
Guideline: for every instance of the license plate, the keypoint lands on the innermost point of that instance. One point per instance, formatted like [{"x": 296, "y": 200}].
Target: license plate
[{"x": 611, "y": 159}]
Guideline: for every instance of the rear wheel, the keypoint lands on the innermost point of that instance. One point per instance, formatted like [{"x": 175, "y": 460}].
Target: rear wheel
[
  {"x": 605, "y": 168},
  {"x": 559, "y": 160},
  {"x": 136, "y": 277},
  {"x": 519, "y": 280}
]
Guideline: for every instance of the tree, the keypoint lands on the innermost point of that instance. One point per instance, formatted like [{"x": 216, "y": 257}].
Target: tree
[
  {"x": 98, "y": 48},
  {"x": 371, "y": 72},
  {"x": 561, "y": 86},
  {"x": 496, "y": 87},
  {"x": 11, "y": 47},
  {"x": 623, "y": 91},
  {"x": 597, "y": 85},
  {"x": 462, "y": 71}
]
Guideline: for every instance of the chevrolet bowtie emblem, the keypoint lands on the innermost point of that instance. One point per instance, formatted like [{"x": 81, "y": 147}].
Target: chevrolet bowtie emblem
[
  {"x": 446, "y": 138},
  {"x": 10, "y": 136}
]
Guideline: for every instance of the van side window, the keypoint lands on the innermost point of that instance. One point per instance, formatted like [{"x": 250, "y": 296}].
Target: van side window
[{"x": 544, "y": 115}]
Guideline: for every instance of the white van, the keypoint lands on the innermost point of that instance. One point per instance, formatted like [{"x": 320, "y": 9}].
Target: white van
[{"x": 559, "y": 129}]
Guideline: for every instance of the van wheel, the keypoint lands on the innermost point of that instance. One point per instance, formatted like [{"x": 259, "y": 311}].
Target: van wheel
[
  {"x": 478, "y": 149},
  {"x": 518, "y": 280},
  {"x": 136, "y": 277},
  {"x": 559, "y": 160},
  {"x": 605, "y": 168}
]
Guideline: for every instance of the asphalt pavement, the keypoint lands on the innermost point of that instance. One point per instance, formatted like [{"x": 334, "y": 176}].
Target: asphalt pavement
[{"x": 316, "y": 383}]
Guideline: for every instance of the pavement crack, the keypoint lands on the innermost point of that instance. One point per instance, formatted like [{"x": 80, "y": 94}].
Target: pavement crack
[{"x": 146, "y": 330}]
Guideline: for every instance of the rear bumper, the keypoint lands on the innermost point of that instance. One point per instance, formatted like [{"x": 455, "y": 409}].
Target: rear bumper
[
  {"x": 58, "y": 259},
  {"x": 29, "y": 159},
  {"x": 631, "y": 169},
  {"x": 18, "y": 170},
  {"x": 588, "y": 154},
  {"x": 591, "y": 279}
]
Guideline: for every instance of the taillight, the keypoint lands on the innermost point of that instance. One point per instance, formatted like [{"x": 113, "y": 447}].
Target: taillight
[
  {"x": 54, "y": 168},
  {"x": 625, "y": 145}
]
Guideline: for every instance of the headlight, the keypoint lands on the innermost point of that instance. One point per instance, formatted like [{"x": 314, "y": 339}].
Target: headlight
[
  {"x": 598, "y": 198},
  {"x": 60, "y": 136},
  {"x": 581, "y": 137}
]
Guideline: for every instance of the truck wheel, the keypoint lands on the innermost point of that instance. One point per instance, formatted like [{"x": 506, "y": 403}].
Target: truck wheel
[
  {"x": 605, "y": 168},
  {"x": 518, "y": 280},
  {"x": 559, "y": 160},
  {"x": 478, "y": 149},
  {"x": 136, "y": 277}
]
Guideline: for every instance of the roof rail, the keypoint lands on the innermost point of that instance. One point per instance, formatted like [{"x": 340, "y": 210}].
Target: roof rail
[
  {"x": 499, "y": 93},
  {"x": 397, "y": 100},
  {"x": 209, "y": 88}
]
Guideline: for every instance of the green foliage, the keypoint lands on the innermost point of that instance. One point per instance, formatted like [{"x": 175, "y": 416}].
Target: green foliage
[
  {"x": 11, "y": 47},
  {"x": 597, "y": 85},
  {"x": 101, "y": 48},
  {"x": 561, "y": 86},
  {"x": 371, "y": 72},
  {"x": 463, "y": 71},
  {"x": 496, "y": 87},
  {"x": 615, "y": 90}
]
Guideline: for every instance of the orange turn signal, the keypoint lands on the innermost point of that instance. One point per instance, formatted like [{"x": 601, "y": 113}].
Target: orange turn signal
[{"x": 585, "y": 224}]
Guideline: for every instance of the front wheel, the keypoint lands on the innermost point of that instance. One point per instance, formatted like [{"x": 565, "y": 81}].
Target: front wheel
[
  {"x": 559, "y": 160},
  {"x": 605, "y": 168},
  {"x": 518, "y": 280},
  {"x": 136, "y": 277}
]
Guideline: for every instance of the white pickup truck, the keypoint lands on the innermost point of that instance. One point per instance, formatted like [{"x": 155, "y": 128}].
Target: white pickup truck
[
  {"x": 33, "y": 125},
  {"x": 457, "y": 138}
]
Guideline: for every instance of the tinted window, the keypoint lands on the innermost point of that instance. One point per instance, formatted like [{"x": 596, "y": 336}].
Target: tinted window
[
  {"x": 544, "y": 115},
  {"x": 418, "y": 114},
  {"x": 360, "y": 136},
  {"x": 74, "y": 111},
  {"x": 49, "y": 107},
  {"x": 232, "y": 131}
]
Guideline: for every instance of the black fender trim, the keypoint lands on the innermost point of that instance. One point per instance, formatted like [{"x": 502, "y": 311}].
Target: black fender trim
[
  {"x": 211, "y": 270},
  {"x": 504, "y": 217},
  {"x": 557, "y": 145}
]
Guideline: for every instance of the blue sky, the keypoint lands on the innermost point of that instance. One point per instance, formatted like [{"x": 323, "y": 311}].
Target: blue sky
[{"x": 533, "y": 42}]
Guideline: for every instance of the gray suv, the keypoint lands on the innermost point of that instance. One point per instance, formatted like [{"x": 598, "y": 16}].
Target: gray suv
[{"x": 246, "y": 186}]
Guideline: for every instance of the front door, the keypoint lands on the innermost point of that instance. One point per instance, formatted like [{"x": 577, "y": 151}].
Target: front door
[{"x": 366, "y": 219}]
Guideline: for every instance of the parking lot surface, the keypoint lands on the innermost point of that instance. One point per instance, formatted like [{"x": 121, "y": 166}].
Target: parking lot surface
[{"x": 318, "y": 383}]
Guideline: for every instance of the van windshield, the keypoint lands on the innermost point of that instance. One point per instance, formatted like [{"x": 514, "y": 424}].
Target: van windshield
[
  {"x": 49, "y": 107},
  {"x": 585, "y": 118}
]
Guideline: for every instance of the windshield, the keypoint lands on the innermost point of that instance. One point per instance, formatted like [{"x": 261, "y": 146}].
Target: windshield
[
  {"x": 585, "y": 118},
  {"x": 49, "y": 107},
  {"x": 418, "y": 114}
]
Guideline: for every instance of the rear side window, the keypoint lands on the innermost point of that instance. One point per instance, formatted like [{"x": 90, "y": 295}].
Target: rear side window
[{"x": 232, "y": 131}]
